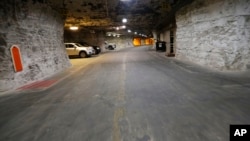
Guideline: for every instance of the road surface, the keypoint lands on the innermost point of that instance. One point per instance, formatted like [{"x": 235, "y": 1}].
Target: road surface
[{"x": 135, "y": 94}]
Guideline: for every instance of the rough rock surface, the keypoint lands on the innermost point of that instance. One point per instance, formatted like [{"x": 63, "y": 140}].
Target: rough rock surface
[
  {"x": 38, "y": 30},
  {"x": 97, "y": 38},
  {"x": 215, "y": 33}
]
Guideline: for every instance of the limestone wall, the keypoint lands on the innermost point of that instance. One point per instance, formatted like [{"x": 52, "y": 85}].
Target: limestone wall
[
  {"x": 38, "y": 30},
  {"x": 215, "y": 33},
  {"x": 97, "y": 38},
  {"x": 83, "y": 35},
  {"x": 121, "y": 42}
]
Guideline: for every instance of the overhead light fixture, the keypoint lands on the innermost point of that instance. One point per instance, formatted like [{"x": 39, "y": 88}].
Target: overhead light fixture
[
  {"x": 73, "y": 28},
  {"x": 129, "y": 30},
  {"x": 124, "y": 20},
  {"x": 117, "y": 28},
  {"x": 123, "y": 26}
]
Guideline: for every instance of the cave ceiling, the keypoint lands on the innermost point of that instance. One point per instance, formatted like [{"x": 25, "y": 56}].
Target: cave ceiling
[{"x": 106, "y": 15}]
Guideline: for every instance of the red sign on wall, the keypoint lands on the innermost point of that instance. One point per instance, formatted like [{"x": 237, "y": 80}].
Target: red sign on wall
[{"x": 16, "y": 58}]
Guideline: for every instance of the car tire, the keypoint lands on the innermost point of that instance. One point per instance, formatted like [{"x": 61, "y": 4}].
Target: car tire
[
  {"x": 83, "y": 54},
  {"x": 111, "y": 47}
]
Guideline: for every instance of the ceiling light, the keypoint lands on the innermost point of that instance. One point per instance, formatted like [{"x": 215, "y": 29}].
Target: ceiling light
[
  {"x": 73, "y": 28},
  {"x": 117, "y": 28},
  {"x": 123, "y": 26},
  {"x": 124, "y": 20},
  {"x": 135, "y": 32},
  {"x": 129, "y": 31}
]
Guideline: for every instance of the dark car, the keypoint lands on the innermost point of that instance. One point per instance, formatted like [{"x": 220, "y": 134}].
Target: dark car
[{"x": 96, "y": 48}]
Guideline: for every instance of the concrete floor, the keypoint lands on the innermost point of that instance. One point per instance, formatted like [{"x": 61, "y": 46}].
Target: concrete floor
[{"x": 134, "y": 94}]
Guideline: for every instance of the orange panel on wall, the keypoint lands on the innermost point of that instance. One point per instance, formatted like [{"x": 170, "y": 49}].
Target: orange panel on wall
[
  {"x": 148, "y": 41},
  {"x": 16, "y": 58},
  {"x": 137, "y": 41}
]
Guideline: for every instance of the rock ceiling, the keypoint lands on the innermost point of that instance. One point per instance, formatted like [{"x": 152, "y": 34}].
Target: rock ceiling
[{"x": 142, "y": 15}]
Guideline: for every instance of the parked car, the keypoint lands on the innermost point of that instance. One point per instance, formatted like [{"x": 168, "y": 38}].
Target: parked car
[
  {"x": 110, "y": 46},
  {"x": 76, "y": 49},
  {"x": 96, "y": 48}
]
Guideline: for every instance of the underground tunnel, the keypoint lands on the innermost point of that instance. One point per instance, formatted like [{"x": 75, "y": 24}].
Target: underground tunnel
[
  {"x": 177, "y": 70},
  {"x": 210, "y": 33}
]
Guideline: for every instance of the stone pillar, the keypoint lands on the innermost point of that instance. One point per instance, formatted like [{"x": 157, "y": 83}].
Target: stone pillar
[
  {"x": 155, "y": 37},
  {"x": 172, "y": 42},
  {"x": 162, "y": 36},
  {"x": 167, "y": 40},
  {"x": 38, "y": 30}
]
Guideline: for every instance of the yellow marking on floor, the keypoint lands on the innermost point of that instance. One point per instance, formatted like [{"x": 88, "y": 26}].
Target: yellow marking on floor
[
  {"x": 120, "y": 112},
  {"x": 121, "y": 93}
]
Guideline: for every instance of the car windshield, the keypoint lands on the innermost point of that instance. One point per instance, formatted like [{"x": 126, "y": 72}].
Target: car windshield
[{"x": 79, "y": 45}]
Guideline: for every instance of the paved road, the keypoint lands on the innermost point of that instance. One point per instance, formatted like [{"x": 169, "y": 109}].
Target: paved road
[{"x": 134, "y": 94}]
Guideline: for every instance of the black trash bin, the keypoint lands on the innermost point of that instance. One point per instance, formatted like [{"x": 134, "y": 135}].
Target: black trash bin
[{"x": 161, "y": 46}]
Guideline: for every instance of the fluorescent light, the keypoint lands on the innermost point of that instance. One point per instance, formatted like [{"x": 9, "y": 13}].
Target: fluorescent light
[
  {"x": 129, "y": 30},
  {"x": 124, "y": 20},
  {"x": 73, "y": 28}
]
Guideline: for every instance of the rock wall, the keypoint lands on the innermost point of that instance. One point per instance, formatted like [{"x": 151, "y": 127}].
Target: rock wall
[
  {"x": 38, "y": 30},
  {"x": 97, "y": 38},
  {"x": 83, "y": 35},
  {"x": 215, "y": 33},
  {"x": 121, "y": 42}
]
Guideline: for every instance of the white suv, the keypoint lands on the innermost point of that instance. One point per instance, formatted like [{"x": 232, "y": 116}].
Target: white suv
[
  {"x": 110, "y": 46},
  {"x": 79, "y": 50}
]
